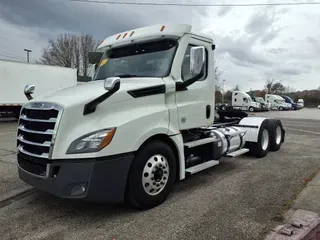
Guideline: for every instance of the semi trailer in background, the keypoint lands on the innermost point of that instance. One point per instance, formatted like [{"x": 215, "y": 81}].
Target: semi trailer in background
[{"x": 14, "y": 76}]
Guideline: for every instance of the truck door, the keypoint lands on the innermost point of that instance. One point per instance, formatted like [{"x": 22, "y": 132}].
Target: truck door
[{"x": 195, "y": 104}]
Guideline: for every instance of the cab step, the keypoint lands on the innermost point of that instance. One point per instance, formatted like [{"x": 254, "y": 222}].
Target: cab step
[
  {"x": 200, "y": 142},
  {"x": 202, "y": 166},
  {"x": 238, "y": 152}
]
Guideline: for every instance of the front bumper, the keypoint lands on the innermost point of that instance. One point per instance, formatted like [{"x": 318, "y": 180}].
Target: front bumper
[{"x": 104, "y": 179}]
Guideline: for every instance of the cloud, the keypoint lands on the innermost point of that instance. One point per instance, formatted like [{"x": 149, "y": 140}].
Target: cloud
[
  {"x": 224, "y": 11},
  {"x": 251, "y": 42}
]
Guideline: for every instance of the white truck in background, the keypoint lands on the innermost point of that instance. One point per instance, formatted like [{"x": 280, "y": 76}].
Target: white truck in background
[
  {"x": 143, "y": 123},
  {"x": 14, "y": 76},
  {"x": 242, "y": 100},
  {"x": 264, "y": 106},
  {"x": 300, "y": 103},
  {"x": 277, "y": 102}
]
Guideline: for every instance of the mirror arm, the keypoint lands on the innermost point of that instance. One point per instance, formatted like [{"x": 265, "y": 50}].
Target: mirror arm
[
  {"x": 91, "y": 106},
  {"x": 28, "y": 95},
  {"x": 182, "y": 86}
]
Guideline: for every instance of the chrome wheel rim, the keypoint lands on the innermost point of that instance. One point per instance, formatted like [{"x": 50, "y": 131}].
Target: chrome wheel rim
[
  {"x": 278, "y": 135},
  {"x": 155, "y": 174},
  {"x": 265, "y": 139}
]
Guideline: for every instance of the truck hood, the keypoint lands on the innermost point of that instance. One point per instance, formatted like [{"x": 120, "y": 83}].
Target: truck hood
[{"x": 84, "y": 93}]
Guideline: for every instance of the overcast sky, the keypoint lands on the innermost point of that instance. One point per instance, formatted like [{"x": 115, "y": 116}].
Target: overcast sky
[{"x": 252, "y": 43}]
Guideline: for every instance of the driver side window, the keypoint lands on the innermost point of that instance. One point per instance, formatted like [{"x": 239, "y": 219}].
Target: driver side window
[{"x": 185, "y": 68}]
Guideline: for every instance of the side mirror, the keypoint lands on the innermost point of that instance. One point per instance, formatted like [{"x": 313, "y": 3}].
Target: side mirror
[
  {"x": 28, "y": 90},
  {"x": 197, "y": 59},
  {"x": 111, "y": 82},
  {"x": 94, "y": 57}
]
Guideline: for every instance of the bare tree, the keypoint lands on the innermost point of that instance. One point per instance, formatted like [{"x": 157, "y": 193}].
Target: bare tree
[
  {"x": 269, "y": 84},
  {"x": 69, "y": 50},
  {"x": 236, "y": 88},
  {"x": 217, "y": 75},
  {"x": 87, "y": 44},
  {"x": 289, "y": 89},
  {"x": 278, "y": 88}
]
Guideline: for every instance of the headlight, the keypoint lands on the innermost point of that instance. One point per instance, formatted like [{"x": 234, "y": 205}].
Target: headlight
[{"x": 92, "y": 142}]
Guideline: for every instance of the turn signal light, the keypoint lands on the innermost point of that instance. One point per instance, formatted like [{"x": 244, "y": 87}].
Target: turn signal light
[{"x": 107, "y": 139}]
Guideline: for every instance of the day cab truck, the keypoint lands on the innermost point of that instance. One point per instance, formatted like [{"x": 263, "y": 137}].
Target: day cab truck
[
  {"x": 300, "y": 103},
  {"x": 242, "y": 100},
  {"x": 276, "y": 102},
  {"x": 143, "y": 123},
  {"x": 14, "y": 76},
  {"x": 287, "y": 99},
  {"x": 264, "y": 106}
]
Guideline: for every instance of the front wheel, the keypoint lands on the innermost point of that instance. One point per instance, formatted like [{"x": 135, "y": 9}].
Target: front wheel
[
  {"x": 281, "y": 108},
  {"x": 151, "y": 176},
  {"x": 251, "y": 109}
]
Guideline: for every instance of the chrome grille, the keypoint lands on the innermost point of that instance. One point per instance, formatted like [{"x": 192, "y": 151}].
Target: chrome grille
[{"x": 37, "y": 126}]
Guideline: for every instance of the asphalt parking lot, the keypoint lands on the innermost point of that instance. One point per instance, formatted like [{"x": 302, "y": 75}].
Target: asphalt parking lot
[{"x": 234, "y": 200}]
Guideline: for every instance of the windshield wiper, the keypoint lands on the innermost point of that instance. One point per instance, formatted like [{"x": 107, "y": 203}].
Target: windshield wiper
[{"x": 126, "y": 75}]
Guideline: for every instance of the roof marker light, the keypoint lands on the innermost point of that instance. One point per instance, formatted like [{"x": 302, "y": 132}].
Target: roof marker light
[
  {"x": 131, "y": 33},
  {"x": 162, "y": 28},
  {"x": 125, "y": 35},
  {"x": 118, "y": 36}
]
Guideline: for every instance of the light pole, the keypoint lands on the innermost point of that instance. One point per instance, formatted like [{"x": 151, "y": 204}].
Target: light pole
[
  {"x": 223, "y": 90},
  {"x": 28, "y": 51}
]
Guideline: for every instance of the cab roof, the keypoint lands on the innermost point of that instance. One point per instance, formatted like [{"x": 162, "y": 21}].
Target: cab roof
[{"x": 158, "y": 30}]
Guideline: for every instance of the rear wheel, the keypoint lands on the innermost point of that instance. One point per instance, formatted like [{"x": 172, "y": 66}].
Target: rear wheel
[
  {"x": 251, "y": 109},
  {"x": 276, "y": 134},
  {"x": 281, "y": 108},
  {"x": 152, "y": 175},
  {"x": 261, "y": 147}
]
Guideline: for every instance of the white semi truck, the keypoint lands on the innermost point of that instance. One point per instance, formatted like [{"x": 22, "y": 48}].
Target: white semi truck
[
  {"x": 264, "y": 106},
  {"x": 276, "y": 102},
  {"x": 143, "y": 123},
  {"x": 14, "y": 76},
  {"x": 243, "y": 101}
]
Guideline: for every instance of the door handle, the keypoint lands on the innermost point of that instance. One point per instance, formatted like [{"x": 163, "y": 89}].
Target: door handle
[{"x": 208, "y": 111}]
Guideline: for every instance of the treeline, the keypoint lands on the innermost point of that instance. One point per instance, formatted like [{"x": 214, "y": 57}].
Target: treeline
[{"x": 311, "y": 97}]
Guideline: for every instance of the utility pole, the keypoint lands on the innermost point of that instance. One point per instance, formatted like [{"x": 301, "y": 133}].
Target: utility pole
[
  {"x": 28, "y": 51},
  {"x": 223, "y": 90}
]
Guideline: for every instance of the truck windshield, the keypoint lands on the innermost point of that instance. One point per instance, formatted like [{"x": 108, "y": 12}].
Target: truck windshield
[
  {"x": 260, "y": 100},
  {"x": 290, "y": 100},
  {"x": 151, "y": 59}
]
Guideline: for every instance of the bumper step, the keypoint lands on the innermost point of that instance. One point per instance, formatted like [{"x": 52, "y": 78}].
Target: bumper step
[
  {"x": 202, "y": 166},
  {"x": 238, "y": 152}
]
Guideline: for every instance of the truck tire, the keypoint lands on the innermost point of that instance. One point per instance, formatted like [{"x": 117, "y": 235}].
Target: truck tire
[
  {"x": 251, "y": 109},
  {"x": 276, "y": 134},
  {"x": 261, "y": 147},
  {"x": 151, "y": 176}
]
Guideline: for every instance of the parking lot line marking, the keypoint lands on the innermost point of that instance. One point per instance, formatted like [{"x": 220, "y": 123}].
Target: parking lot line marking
[{"x": 317, "y": 133}]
